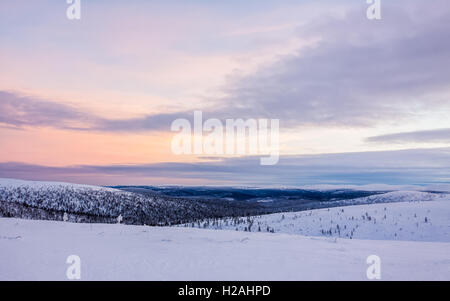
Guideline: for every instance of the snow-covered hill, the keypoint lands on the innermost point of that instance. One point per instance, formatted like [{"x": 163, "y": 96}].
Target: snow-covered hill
[
  {"x": 84, "y": 203},
  {"x": 380, "y": 187},
  {"x": 414, "y": 216},
  {"x": 16, "y": 183},
  {"x": 399, "y": 196},
  {"x": 37, "y": 250}
]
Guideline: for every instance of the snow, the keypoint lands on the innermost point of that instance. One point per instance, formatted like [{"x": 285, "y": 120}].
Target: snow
[
  {"x": 404, "y": 196},
  {"x": 367, "y": 187},
  {"x": 444, "y": 187},
  {"x": 84, "y": 203},
  {"x": 15, "y": 183},
  {"x": 416, "y": 216},
  {"x": 37, "y": 250},
  {"x": 408, "y": 230}
]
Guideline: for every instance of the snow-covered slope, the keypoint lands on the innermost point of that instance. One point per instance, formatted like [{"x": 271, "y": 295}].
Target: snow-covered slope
[
  {"x": 84, "y": 203},
  {"x": 399, "y": 196},
  {"x": 414, "y": 216},
  {"x": 37, "y": 250}
]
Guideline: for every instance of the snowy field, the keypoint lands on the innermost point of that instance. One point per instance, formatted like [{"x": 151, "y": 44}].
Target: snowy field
[
  {"x": 408, "y": 230},
  {"x": 37, "y": 250},
  {"x": 412, "y": 220}
]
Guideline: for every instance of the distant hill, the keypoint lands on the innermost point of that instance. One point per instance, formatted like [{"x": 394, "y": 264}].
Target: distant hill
[
  {"x": 398, "y": 215},
  {"x": 151, "y": 205},
  {"x": 84, "y": 203}
]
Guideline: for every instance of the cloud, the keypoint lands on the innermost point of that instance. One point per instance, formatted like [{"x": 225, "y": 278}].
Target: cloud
[
  {"x": 361, "y": 72},
  {"x": 428, "y": 136},
  {"x": 19, "y": 111},
  {"x": 156, "y": 122},
  {"x": 416, "y": 166}
]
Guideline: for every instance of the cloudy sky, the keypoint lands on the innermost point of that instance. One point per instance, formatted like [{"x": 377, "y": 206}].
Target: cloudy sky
[{"x": 92, "y": 100}]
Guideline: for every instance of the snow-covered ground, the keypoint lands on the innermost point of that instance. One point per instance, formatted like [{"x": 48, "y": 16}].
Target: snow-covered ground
[
  {"x": 408, "y": 230},
  {"x": 413, "y": 220},
  {"x": 37, "y": 250}
]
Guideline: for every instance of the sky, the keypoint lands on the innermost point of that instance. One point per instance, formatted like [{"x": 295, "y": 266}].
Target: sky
[{"x": 359, "y": 101}]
